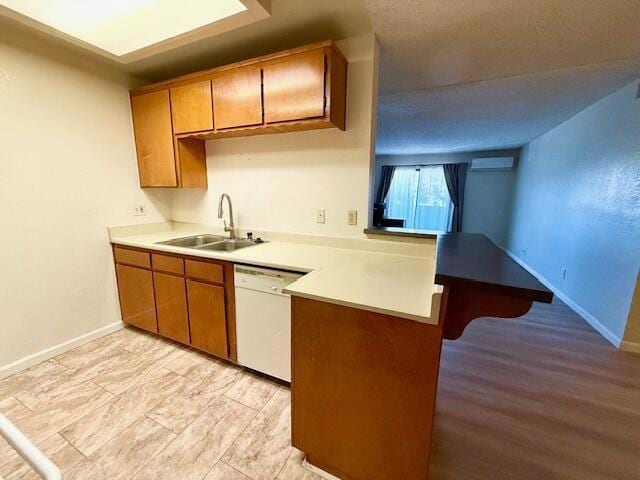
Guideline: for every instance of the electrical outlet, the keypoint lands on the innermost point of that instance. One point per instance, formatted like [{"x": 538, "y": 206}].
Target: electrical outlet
[
  {"x": 320, "y": 216},
  {"x": 523, "y": 252},
  {"x": 352, "y": 217},
  {"x": 140, "y": 210}
]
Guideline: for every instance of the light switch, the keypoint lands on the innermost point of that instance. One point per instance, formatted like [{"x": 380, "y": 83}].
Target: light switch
[
  {"x": 352, "y": 217},
  {"x": 320, "y": 216}
]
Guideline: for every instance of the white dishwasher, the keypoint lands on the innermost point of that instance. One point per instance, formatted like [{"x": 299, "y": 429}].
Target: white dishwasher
[{"x": 263, "y": 320}]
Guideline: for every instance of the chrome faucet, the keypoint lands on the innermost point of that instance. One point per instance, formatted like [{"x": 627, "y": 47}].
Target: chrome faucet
[{"x": 230, "y": 227}]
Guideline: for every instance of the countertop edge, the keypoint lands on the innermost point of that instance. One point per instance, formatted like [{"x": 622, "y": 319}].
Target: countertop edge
[{"x": 344, "y": 303}]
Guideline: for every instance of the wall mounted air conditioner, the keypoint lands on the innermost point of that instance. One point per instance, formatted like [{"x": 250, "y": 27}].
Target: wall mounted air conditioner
[{"x": 492, "y": 163}]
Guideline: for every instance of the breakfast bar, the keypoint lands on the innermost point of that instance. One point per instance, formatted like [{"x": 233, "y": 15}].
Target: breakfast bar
[
  {"x": 368, "y": 320},
  {"x": 364, "y": 383}
]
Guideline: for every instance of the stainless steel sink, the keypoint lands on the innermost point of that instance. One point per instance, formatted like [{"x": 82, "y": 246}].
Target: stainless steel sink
[
  {"x": 194, "y": 241},
  {"x": 210, "y": 242},
  {"x": 228, "y": 244}
]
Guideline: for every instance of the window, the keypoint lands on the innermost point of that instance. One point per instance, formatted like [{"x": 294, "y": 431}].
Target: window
[{"x": 420, "y": 197}]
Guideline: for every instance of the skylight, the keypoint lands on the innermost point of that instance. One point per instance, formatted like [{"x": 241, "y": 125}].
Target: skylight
[{"x": 124, "y": 26}]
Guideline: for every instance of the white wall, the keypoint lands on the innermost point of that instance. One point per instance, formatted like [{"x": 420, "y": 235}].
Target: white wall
[
  {"x": 277, "y": 182},
  {"x": 67, "y": 170},
  {"x": 488, "y": 196},
  {"x": 577, "y": 207}
]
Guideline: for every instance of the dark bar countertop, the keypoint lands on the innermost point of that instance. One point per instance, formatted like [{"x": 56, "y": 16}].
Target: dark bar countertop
[{"x": 471, "y": 259}]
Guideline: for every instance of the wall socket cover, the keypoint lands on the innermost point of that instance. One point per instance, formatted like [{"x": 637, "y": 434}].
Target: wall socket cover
[
  {"x": 352, "y": 217},
  {"x": 320, "y": 218},
  {"x": 140, "y": 210}
]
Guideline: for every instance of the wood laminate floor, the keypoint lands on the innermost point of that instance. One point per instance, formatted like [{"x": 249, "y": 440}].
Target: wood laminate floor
[
  {"x": 542, "y": 397},
  {"x": 539, "y": 397}
]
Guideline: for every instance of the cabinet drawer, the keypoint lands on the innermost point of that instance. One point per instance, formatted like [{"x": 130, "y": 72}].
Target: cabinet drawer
[
  {"x": 167, "y": 263},
  {"x": 132, "y": 257},
  {"x": 209, "y": 272}
]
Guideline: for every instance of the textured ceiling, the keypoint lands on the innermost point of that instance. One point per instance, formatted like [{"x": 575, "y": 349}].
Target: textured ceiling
[
  {"x": 493, "y": 114},
  {"x": 462, "y": 75},
  {"x": 432, "y": 43}
]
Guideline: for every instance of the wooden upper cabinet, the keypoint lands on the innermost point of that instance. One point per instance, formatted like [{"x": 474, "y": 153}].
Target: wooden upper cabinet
[
  {"x": 191, "y": 108},
  {"x": 303, "y": 88},
  {"x": 154, "y": 139},
  {"x": 294, "y": 87},
  {"x": 237, "y": 98}
]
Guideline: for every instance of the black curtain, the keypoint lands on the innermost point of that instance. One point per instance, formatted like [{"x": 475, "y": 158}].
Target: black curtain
[
  {"x": 455, "y": 174},
  {"x": 385, "y": 183}
]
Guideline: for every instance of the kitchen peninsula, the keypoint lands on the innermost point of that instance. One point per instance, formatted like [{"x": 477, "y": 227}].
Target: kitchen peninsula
[{"x": 368, "y": 320}]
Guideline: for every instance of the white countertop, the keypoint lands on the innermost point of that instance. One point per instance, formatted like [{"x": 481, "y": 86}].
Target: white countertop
[{"x": 379, "y": 276}]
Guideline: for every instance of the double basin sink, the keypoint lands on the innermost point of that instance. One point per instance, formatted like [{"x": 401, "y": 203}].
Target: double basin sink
[{"x": 210, "y": 242}]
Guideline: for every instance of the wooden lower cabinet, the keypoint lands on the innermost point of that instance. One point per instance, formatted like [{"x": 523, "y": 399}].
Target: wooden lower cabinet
[
  {"x": 171, "y": 305},
  {"x": 137, "y": 303},
  {"x": 189, "y": 300},
  {"x": 207, "y": 317}
]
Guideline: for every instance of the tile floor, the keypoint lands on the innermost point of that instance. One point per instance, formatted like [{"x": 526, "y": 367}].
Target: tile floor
[
  {"x": 544, "y": 396},
  {"x": 132, "y": 405}
]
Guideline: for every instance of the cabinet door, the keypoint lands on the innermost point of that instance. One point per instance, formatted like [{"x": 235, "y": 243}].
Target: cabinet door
[
  {"x": 237, "y": 98},
  {"x": 191, "y": 107},
  {"x": 207, "y": 318},
  {"x": 171, "y": 305},
  {"x": 154, "y": 139},
  {"x": 294, "y": 88},
  {"x": 135, "y": 287}
]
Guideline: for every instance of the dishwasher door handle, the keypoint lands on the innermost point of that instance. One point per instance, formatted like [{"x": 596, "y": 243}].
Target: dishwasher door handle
[{"x": 28, "y": 451}]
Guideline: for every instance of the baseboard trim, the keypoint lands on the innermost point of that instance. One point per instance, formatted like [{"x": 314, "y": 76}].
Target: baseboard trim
[
  {"x": 41, "y": 356},
  {"x": 633, "y": 347},
  {"x": 318, "y": 471},
  {"x": 590, "y": 319}
]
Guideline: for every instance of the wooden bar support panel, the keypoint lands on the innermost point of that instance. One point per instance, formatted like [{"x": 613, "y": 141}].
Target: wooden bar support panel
[
  {"x": 363, "y": 390},
  {"x": 466, "y": 304}
]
